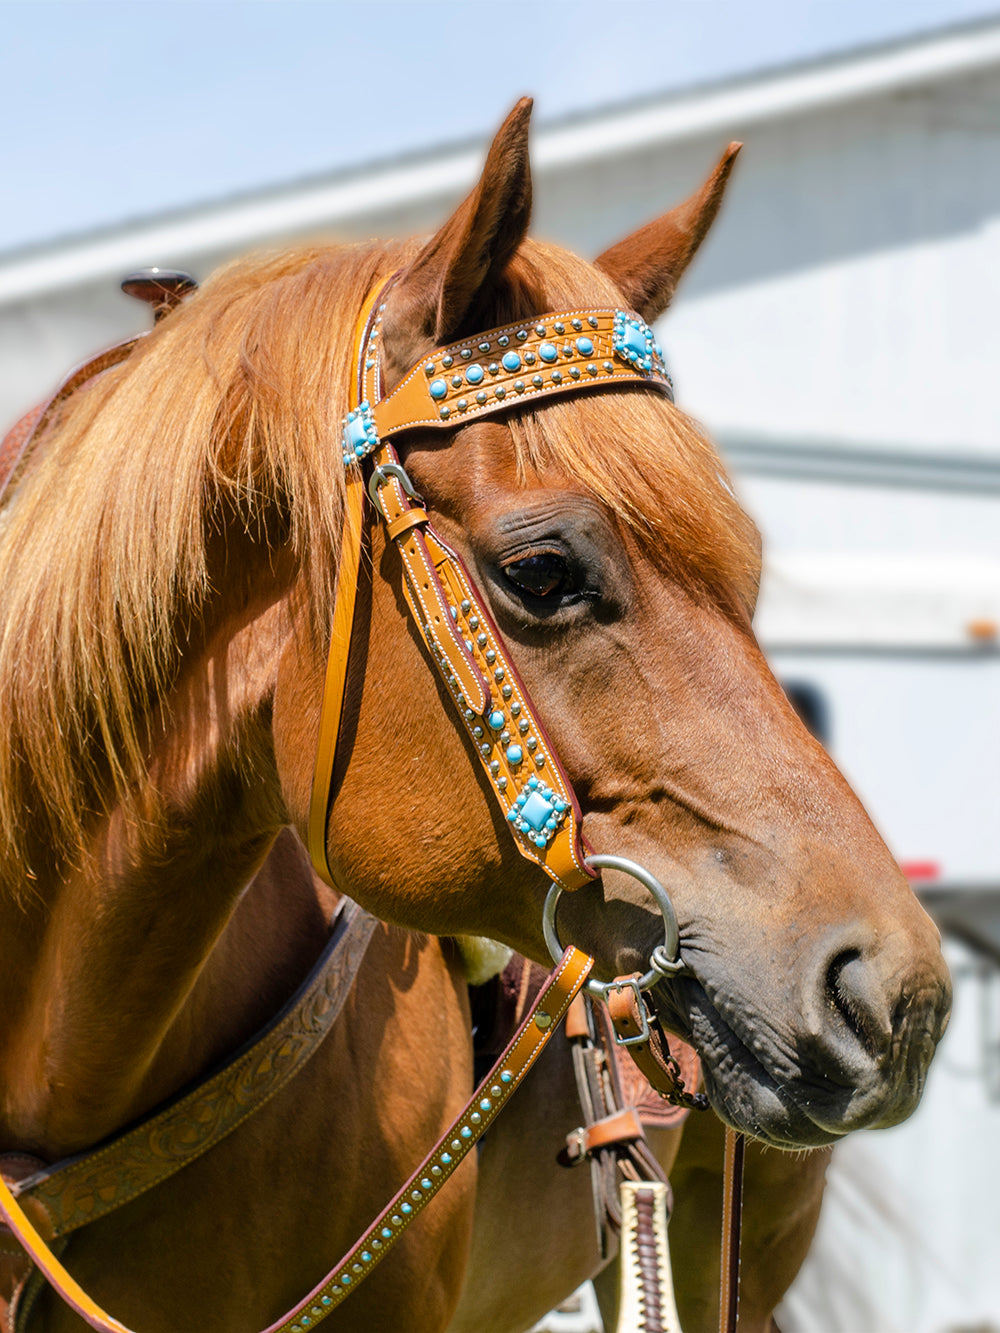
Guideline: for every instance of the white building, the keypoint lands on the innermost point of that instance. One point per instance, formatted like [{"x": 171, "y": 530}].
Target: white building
[{"x": 840, "y": 336}]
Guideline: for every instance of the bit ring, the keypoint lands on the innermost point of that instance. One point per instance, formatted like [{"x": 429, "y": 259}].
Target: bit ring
[{"x": 665, "y": 960}]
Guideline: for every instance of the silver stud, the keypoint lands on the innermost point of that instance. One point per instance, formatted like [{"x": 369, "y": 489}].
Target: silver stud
[
  {"x": 502, "y": 783},
  {"x": 593, "y": 321},
  {"x": 507, "y": 692},
  {"x": 531, "y": 743},
  {"x": 447, "y": 362},
  {"x": 491, "y": 656},
  {"x": 503, "y": 340},
  {"x": 539, "y": 761},
  {"x": 482, "y": 640},
  {"x": 524, "y": 726},
  {"x": 473, "y": 622},
  {"x": 478, "y": 733},
  {"x": 515, "y": 709},
  {"x": 498, "y": 675},
  {"x": 484, "y": 347},
  {"x": 466, "y": 353}
]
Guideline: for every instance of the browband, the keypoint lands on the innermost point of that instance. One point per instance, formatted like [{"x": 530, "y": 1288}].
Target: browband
[{"x": 501, "y": 370}]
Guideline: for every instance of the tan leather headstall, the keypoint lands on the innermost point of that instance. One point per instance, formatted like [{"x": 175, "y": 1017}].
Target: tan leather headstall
[{"x": 494, "y": 372}]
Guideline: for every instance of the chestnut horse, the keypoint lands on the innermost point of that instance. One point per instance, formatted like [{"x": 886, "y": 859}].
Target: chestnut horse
[{"x": 168, "y": 562}]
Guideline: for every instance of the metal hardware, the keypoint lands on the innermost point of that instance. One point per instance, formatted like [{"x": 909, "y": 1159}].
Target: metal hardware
[
  {"x": 642, "y": 1035},
  {"x": 665, "y": 961},
  {"x": 381, "y": 474}
]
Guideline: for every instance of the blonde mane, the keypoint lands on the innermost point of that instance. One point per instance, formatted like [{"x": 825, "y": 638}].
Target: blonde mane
[{"x": 235, "y": 404}]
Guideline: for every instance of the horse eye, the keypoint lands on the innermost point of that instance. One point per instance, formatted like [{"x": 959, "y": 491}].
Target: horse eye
[{"x": 543, "y": 575}]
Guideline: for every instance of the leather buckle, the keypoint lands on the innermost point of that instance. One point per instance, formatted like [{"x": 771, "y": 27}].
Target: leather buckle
[{"x": 632, "y": 984}]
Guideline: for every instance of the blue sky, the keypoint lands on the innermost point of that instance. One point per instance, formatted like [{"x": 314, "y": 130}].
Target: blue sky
[{"x": 115, "y": 109}]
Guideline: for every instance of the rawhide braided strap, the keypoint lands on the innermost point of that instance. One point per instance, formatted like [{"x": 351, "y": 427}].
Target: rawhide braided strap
[{"x": 506, "y": 368}]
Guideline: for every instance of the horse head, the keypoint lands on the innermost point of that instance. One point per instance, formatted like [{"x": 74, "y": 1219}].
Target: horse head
[{"x": 607, "y": 543}]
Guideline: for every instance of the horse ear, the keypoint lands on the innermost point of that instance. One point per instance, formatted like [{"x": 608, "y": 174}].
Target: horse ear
[
  {"x": 647, "y": 266},
  {"x": 437, "y": 298}
]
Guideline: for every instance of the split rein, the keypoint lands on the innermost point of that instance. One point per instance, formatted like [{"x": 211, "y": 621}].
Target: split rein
[{"x": 490, "y": 373}]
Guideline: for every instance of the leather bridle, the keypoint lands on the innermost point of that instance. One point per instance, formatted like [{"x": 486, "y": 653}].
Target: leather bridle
[{"x": 493, "y": 373}]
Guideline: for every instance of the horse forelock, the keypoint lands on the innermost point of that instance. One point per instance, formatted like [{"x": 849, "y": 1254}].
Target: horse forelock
[{"x": 639, "y": 454}]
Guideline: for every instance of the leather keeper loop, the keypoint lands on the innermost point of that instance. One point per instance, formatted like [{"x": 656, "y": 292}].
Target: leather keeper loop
[{"x": 398, "y": 526}]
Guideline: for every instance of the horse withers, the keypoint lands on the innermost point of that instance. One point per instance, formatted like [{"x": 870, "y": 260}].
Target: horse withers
[{"x": 169, "y": 558}]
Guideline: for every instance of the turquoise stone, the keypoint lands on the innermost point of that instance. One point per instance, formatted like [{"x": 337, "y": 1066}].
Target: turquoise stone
[
  {"x": 466, "y": 1132},
  {"x": 495, "y": 720},
  {"x": 425, "y": 1183},
  {"x": 446, "y": 1158},
  {"x": 486, "y": 1104},
  {"x": 514, "y": 754},
  {"x": 346, "y": 1280},
  {"x": 548, "y": 352},
  {"x": 366, "y": 1257},
  {"x": 506, "y": 1076},
  {"x": 437, "y": 388},
  {"x": 511, "y": 361},
  {"x": 635, "y": 339},
  {"x": 584, "y": 346},
  {"x": 474, "y": 374},
  {"x": 536, "y": 810},
  {"x": 355, "y": 432}
]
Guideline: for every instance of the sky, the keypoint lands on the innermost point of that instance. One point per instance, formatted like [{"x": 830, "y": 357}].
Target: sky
[{"x": 112, "y": 110}]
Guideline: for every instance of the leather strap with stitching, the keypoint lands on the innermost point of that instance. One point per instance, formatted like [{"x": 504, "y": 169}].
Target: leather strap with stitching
[
  {"x": 541, "y": 1022},
  {"x": 84, "y": 1188}
]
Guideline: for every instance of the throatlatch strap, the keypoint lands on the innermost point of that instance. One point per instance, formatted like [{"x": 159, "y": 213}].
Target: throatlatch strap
[{"x": 542, "y": 1020}]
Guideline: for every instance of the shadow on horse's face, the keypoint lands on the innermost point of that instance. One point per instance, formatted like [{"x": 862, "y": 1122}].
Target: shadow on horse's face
[{"x": 622, "y": 574}]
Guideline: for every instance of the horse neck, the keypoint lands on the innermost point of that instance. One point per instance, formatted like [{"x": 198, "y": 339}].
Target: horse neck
[{"x": 101, "y": 973}]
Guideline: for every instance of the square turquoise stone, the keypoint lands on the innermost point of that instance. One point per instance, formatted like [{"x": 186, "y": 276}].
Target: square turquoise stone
[{"x": 536, "y": 810}]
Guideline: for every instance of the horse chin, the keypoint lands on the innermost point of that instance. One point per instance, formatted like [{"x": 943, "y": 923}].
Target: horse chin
[{"x": 742, "y": 1091}]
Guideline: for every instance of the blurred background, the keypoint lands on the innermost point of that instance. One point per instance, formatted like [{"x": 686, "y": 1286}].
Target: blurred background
[{"x": 839, "y": 335}]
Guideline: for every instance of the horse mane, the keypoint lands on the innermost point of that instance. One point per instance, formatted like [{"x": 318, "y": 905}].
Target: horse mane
[{"x": 233, "y": 407}]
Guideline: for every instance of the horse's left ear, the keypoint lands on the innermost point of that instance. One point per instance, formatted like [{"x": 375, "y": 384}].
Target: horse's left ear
[
  {"x": 438, "y": 298},
  {"x": 647, "y": 266}
]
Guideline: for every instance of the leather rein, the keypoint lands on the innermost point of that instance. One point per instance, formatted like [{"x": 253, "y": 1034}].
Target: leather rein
[{"x": 488, "y": 374}]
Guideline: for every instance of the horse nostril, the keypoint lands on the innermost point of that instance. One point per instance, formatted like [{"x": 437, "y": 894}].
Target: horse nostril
[{"x": 854, "y": 990}]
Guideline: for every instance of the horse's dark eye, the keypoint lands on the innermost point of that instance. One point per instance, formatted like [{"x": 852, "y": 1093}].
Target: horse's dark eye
[{"x": 543, "y": 575}]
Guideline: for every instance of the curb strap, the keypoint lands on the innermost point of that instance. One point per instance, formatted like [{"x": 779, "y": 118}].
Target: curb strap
[
  {"x": 68, "y": 1195},
  {"x": 646, "y": 1289},
  {"x": 541, "y": 1021},
  {"x": 732, "y": 1221},
  {"x": 637, "y": 1029},
  {"x": 611, "y": 1137}
]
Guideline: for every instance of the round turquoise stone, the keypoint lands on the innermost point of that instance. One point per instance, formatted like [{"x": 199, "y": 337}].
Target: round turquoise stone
[
  {"x": 547, "y": 351},
  {"x": 437, "y": 388},
  {"x": 495, "y": 720},
  {"x": 584, "y": 346},
  {"x": 514, "y": 754},
  {"x": 474, "y": 374},
  {"x": 510, "y": 361}
]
